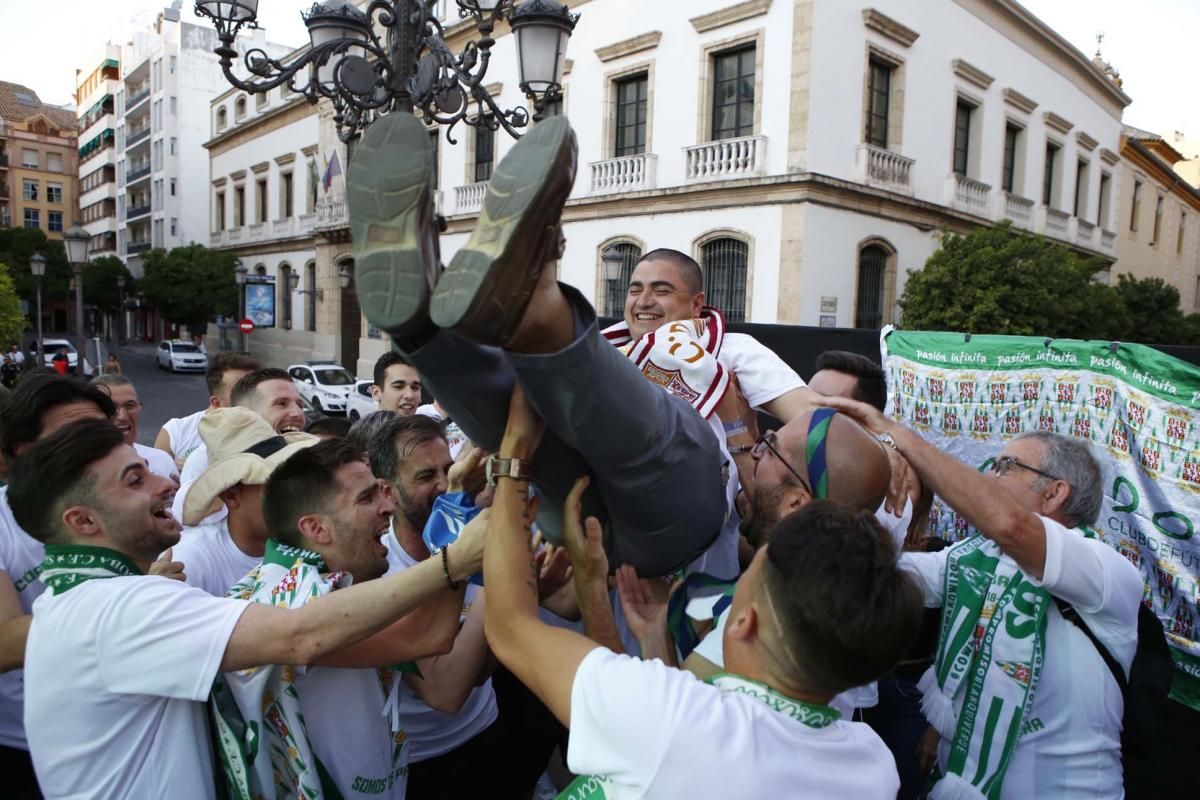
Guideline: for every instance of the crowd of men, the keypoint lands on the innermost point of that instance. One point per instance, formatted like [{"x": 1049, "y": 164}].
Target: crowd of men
[{"x": 641, "y": 594}]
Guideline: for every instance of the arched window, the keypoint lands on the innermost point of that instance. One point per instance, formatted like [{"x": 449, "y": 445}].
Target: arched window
[
  {"x": 310, "y": 298},
  {"x": 222, "y": 118},
  {"x": 871, "y": 308},
  {"x": 725, "y": 262},
  {"x": 285, "y": 296},
  {"x": 239, "y": 108},
  {"x": 616, "y": 289}
]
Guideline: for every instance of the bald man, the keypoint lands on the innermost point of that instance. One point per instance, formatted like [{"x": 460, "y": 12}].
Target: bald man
[{"x": 816, "y": 456}]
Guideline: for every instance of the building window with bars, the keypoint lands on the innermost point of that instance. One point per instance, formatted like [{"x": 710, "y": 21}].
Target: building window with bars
[
  {"x": 630, "y": 131},
  {"x": 1136, "y": 207},
  {"x": 485, "y": 153},
  {"x": 616, "y": 291},
  {"x": 1081, "y": 189},
  {"x": 285, "y": 296},
  {"x": 1158, "y": 214},
  {"x": 879, "y": 95},
  {"x": 310, "y": 296},
  {"x": 1049, "y": 184},
  {"x": 287, "y": 196},
  {"x": 872, "y": 272},
  {"x": 963, "y": 112},
  {"x": 725, "y": 263},
  {"x": 733, "y": 93},
  {"x": 1012, "y": 138}
]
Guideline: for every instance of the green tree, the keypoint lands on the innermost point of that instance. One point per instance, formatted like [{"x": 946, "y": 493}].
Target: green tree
[
  {"x": 1154, "y": 315},
  {"x": 17, "y": 246},
  {"x": 997, "y": 280},
  {"x": 12, "y": 321},
  {"x": 190, "y": 285},
  {"x": 100, "y": 283}
]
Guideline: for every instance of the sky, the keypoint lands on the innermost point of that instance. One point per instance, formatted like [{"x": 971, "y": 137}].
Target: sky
[{"x": 1150, "y": 47}]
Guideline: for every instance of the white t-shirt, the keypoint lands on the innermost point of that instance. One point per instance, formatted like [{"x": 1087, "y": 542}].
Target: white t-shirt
[
  {"x": 21, "y": 559},
  {"x": 658, "y": 732},
  {"x": 211, "y": 560},
  {"x": 431, "y": 732},
  {"x": 118, "y": 670},
  {"x": 1070, "y": 741},
  {"x": 159, "y": 462},
  {"x": 184, "y": 433},
  {"x": 193, "y": 468}
]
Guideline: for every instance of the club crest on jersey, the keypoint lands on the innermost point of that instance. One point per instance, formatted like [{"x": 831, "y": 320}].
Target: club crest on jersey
[{"x": 671, "y": 380}]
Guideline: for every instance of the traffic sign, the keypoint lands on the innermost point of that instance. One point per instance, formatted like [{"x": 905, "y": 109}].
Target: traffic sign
[{"x": 246, "y": 325}]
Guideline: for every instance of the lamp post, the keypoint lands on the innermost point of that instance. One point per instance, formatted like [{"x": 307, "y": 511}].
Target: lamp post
[
  {"x": 407, "y": 66},
  {"x": 614, "y": 268},
  {"x": 344, "y": 276},
  {"x": 239, "y": 277},
  {"x": 77, "y": 243},
  {"x": 121, "y": 306},
  {"x": 37, "y": 266}
]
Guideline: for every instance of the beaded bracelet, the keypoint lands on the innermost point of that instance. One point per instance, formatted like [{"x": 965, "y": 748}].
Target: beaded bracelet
[{"x": 453, "y": 584}]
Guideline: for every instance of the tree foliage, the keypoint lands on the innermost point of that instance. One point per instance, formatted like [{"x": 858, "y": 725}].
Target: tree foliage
[
  {"x": 12, "y": 321},
  {"x": 190, "y": 285},
  {"x": 100, "y": 283},
  {"x": 17, "y": 246},
  {"x": 998, "y": 280}
]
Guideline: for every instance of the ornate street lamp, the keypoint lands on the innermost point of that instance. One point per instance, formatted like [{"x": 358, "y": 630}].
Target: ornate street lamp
[
  {"x": 613, "y": 263},
  {"x": 37, "y": 266},
  {"x": 344, "y": 276},
  {"x": 77, "y": 244},
  {"x": 394, "y": 57}
]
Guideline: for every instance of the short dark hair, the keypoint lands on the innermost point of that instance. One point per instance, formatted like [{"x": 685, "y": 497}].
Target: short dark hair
[
  {"x": 221, "y": 363},
  {"x": 392, "y": 443},
  {"x": 53, "y": 475},
  {"x": 305, "y": 484},
  {"x": 689, "y": 270},
  {"x": 39, "y": 391},
  {"x": 389, "y": 359},
  {"x": 847, "y": 612},
  {"x": 871, "y": 387},
  {"x": 248, "y": 384},
  {"x": 329, "y": 426},
  {"x": 364, "y": 430}
]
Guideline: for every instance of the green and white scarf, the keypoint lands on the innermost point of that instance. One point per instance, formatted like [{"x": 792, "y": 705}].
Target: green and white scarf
[
  {"x": 67, "y": 566},
  {"x": 593, "y": 787},
  {"x": 989, "y": 655},
  {"x": 260, "y": 732}
]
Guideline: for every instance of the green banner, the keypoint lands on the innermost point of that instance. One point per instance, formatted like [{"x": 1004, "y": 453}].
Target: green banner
[{"x": 1137, "y": 407}]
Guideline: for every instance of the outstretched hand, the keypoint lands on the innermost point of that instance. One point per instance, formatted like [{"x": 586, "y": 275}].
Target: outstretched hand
[
  {"x": 584, "y": 539},
  {"x": 467, "y": 473},
  {"x": 644, "y": 601},
  {"x": 165, "y": 567}
]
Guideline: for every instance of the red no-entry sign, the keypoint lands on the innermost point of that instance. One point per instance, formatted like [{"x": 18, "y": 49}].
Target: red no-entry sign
[{"x": 246, "y": 325}]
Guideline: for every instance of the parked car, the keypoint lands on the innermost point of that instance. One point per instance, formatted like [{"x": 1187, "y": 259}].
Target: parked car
[
  {"x": 176, "y": 355},
  {"x": 325, "y": 384},
  {"x": 51, "y": 346},
  {"x": 360, "y": 403}
]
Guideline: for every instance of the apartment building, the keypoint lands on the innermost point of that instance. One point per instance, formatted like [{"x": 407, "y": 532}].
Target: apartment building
[{"x": 38, "y": 162}]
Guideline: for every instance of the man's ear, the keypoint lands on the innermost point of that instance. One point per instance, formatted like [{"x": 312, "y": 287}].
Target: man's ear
[
  {"x": 743, "y": 626},
  {"x": 698, "y": 302},
  {"x": 231, "y": 497},
  {"x": 82, "y": 521},
  {"x": 375, "y": 393},
  {"x": 1055, "y": 497},
  {"x": 316, "y": 528}
]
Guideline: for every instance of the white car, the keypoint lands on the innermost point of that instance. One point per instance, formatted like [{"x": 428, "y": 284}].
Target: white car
[
  {"x": 324, "y": 384},
  {"x": 176, "y": 355},
  {"x": 360, "y": 403},
  {"x": 51, "y": 346}
]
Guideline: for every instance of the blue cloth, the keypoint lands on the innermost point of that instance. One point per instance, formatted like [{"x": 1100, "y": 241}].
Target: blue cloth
[{"x": 451, "y": 513}]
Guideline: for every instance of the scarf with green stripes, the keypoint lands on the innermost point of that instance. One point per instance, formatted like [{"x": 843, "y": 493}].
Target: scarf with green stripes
[
  {"x": 985, "y": 673},
  {"x": 69, "y": 565}
]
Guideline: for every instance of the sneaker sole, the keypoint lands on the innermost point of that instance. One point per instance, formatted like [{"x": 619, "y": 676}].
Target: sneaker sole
[
  {"x": 484, "y": 291},
  {"x": 389, "y": 196}
]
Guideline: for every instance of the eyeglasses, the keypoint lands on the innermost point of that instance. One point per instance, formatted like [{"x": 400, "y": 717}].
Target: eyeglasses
[
  {"x": 1003, "y": 464},
  {"x": 767, "y": 442}
]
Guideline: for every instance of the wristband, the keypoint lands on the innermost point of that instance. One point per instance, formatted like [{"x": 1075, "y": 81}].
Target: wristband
[
  {"x": 735, "y": 428},
  {"x": 737, "y": 451},
  {"x": 445, "y": 551}
]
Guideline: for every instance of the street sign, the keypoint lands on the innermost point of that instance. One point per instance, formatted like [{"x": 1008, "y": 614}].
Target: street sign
[{"x": 246, "y": 325}]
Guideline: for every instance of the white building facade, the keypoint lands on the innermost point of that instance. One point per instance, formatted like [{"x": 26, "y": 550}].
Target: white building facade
[{"x": 97, "y": 84}]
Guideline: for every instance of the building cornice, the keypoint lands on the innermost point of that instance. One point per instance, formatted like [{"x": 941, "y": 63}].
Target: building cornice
[
  {"x": 1141, "y": 157},
  {"x": 260, "y": 167},
  {"x": 1057, "y": 123},
  {"x": 883, "y": 24},
  {"x": 1109, "y": 157},
  {"x": 971, "y": 73},
  {"x": 1019, "y": 101},
  {"x": 637, "y": 44},
  {"x": 1085, "y": 142},
  {"x": 285, "y": 159},
  {"x": 730, "y": 15}
]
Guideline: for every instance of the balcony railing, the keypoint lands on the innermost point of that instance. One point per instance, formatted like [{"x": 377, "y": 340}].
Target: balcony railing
[
  {"x": 624, "y": 174},
  {"x": 135, "y": 174},
  {"x": 137, "y": 247},
  {"x": 1018, "y": 209},
  {"x": 1056, "y": 223},
  {"x": 726, "y": 159},
  {"x": 331, "y": 214},
  {"x": 469, "y": 199},
  {"x": 970, "y": 195},
  {"x": 1108, "y": 242},
  {"x": 134, "y": 138},
  {"x": 137, "y": 211},
  {"x": 883, "y": 168},
  {"x": 1085, "y": 233},
  {"x": 133, "y": 102}
]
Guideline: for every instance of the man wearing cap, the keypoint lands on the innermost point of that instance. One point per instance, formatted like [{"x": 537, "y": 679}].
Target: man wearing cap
[{"x": 245, "y": 450}]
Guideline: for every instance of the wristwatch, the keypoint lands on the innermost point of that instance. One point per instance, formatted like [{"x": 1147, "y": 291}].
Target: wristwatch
[{"x": 513, "y": 468}]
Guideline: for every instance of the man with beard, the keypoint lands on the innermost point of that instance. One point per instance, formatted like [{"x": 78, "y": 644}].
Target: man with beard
[
  {"x": 268, "y": 392},
  {"x": 129, "y": 414},
  {"x": 181, "y": 435},
  {"x": 120, "y": 663}
]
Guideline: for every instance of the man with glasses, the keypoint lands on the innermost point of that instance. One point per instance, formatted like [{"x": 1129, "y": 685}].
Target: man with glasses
[
  {"x": 1020, "y": 700},
  {"x": 129, "y": 414}
]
